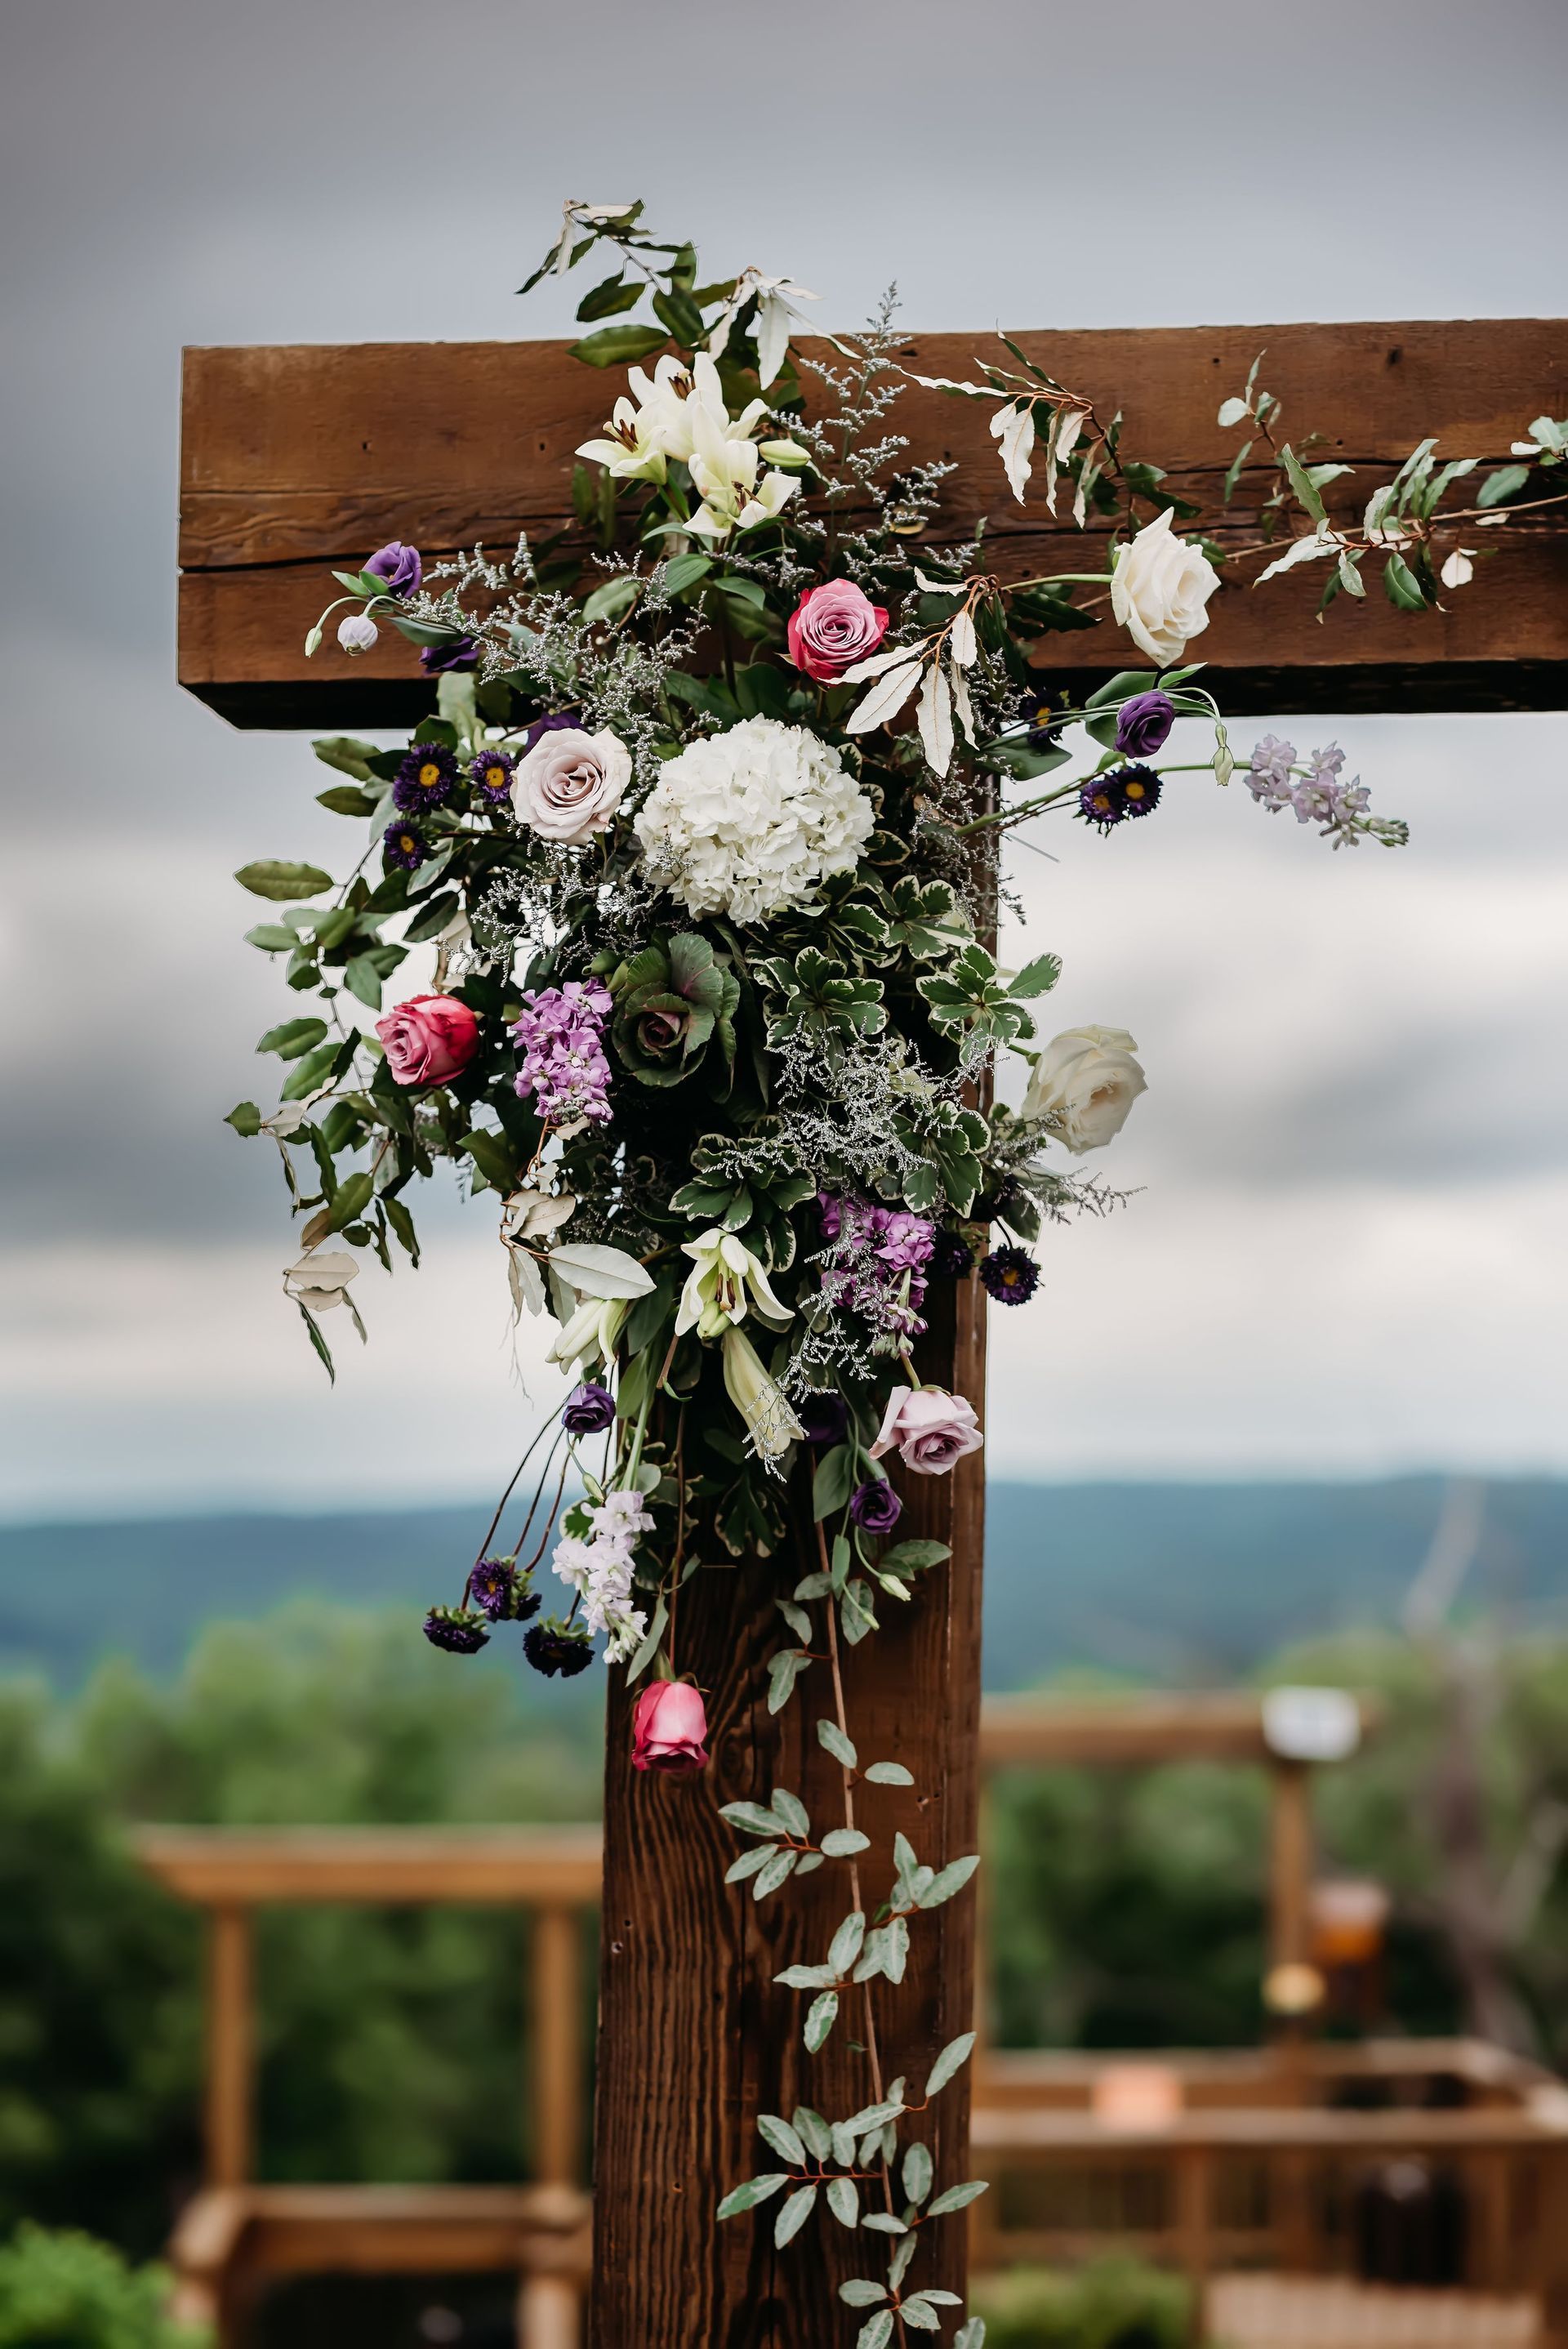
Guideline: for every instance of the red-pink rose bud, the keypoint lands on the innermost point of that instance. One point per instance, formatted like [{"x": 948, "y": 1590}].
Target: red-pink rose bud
[
  {"x": 669, "y": 1728},
  {"x": 832, "y": 627},
  {"x": 428, "y": 1038}
]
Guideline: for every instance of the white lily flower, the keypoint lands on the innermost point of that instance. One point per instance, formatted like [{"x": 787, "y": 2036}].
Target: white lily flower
[
  {"x": 757, "y": 1398},
  {"x": 725, "y": 1281},
  {"x": 724, "y": 472},
  {"x": 591, "y": 1334},
  {"x": 632, "y": 448}
]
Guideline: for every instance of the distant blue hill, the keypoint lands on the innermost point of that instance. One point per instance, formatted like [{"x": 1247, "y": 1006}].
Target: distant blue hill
[{"x": 1165, "y": 1582}]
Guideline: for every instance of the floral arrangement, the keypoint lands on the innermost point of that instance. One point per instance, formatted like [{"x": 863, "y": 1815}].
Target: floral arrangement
[{"x": 704, "y": 831}]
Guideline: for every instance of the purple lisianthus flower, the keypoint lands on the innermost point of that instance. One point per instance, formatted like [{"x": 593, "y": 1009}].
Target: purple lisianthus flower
[
  {"x": 405, "y": 844},
  {"x": 460, "y": 1630},
  {"x": 555, "y": 1647},
  {"x": 457, "y": 652},
  {"x": 875, "y": 1506},
  {"x": 1010, "y": 1275},
  {"x": 491, "y": 773},
  {"x": 398, "y": 566},
  {"x": 557, "y": 719},
  {"x": 1144, "y": 723},
  {"x": 588, "y": 1409},
  {"x": 824, "y": 1417},
  {"x": 426, "y": 778}
]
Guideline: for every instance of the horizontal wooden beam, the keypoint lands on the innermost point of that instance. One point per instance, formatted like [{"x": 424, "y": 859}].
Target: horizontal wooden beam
[
  {"x": 236, "y": 1867},
  {"x": 1195, "y": 1726},
  {"x": 300, "y": 457}
]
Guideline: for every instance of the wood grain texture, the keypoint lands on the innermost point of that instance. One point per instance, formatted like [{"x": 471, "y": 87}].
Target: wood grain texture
[
  {"x": 298, "y": 457},
  {"x": 695, "y": 2038}
]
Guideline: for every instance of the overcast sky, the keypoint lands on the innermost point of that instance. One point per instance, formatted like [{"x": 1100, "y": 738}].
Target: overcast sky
[{"x": 1346, "y": 1251}]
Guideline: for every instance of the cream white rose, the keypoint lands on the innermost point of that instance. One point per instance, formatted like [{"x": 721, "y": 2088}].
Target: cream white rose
[
  {"x": 571, "y": 783},
  {"x": 1086, "y": 1080},
  {"x": 1159, "y": 590}
]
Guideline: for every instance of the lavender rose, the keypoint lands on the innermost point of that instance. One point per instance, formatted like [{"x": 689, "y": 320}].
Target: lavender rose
[
  {"x": 931, "y": 1430},
  {"x": 398, "y": 566},
  {"x": 832, "y": 627},
  {"x": 571, "y": 783},
  {"x": 1143, "y": 724}
]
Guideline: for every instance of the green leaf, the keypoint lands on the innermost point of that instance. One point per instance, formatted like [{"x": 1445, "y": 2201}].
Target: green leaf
[
  {"x": 245, "y": 1118},
  {"x": 913, "y": 1557},
  {"x": 309, "y": 1072},
  {"x": 749, "y": 1863},
  {"x": 323, "y": 1351},
  {"x": 750, "y": 1817},
  {"x": 348, "y": 799},
  {"x": 1037, "y": 978},
  {"x": 684, "y": 571},
  {"x": 353, "y": 1196},
  {"x": 957, "y": 2197},
  {"x": 876, "y": 2331},
  {"x": 970, "y": 2335},
  {"x": 1401, "y": 585},
  {"x": 873, "y": 2117},
  {"x": 833, "y": 1482},
  {"x": 783, "y": 1671},
  {"x": 271, "y": 879},
  {"x": 1505, "y": 483},
  {"x": 1302, "y": 483},
  {"x": 793, "y": 2216},
  {"x": 293, "y": 1038},
  {"x": 362, "y": 978},
  {"x": 889, "y": 1773},
  {"x": 860, "y": 2292},
  {"x": 346, "y": 753},
  {"x": 493, "y": 1155},
  {"x": 609, "y": 298},
  {"x": 948, "y": 1880},
  {"x": 806, "y": 1978},
  {"x": 830, "y": 1734},
  {"x": 842, "y": 1843},
  {"x": 812, "y": 2131},
  {"x": 792, "y": 1811},
  {"x": 779, "y": 1864},
  {"x": 680, "y": 314},
  {"x": 614, "y": 599},
  {"x": 619, "y": 345},
  {"x": 843, "y": 2197},
  {"x": 882, "y": 2222},
  {"x": 1232, "y": 412},
  {"x": 755, "y": 2190},
  {"x": 919, "y": 2315},
  {"x": 777, "y": 2133},
  {"x": 273, "y": 938},
  {"x": 952, "y": 2058},
  {"x": 917, "y": 2173}
]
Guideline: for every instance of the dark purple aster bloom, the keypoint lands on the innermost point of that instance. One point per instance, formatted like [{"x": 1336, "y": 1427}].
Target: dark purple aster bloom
[
  {"x": 1046, "y": 725},
  {"x": 1011, "y": 1275},
  {"x": 398, "y": 566},
  {"x": 1143, "y": 724},
  {"x": 1107, "y": 800},
  {"x": 491, "y": 773},
  {"x": 457, "y": 652},
  {"x": 425, "y": 777},
  {"x": 555, "y": 1647},
  {"x": 461, "y": 1630},
  {"x": 405, "y": 846},
  {"x": 588, "y": 1409},
  {"x": 951, "y": 1257},
  {"x": 824, "y": 1417},
  {"x": 490, "y": 1586},
  {"x": 875, "y": 1506}
]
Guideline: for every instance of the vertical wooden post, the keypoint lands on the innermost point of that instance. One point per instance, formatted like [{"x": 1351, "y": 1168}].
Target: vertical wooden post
[
  {"x": 1290, "y": 1864},
  {"x": 696, "y": 2038},
  {"x": 230, "y": 2046},
  {"x": 556, "y": 1990}
]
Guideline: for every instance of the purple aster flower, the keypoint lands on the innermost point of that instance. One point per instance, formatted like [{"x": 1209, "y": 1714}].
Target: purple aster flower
[
  {"x": 824, "y": 1417},
  {"x": 555, "y": 1647},
  {"x": 425, "y": 777},
  {"x": 1046, "y": 725},
  {"x": 460, "y": 1630},
  {"x": 490, "y": 1586},
  {"x": 1143, "y": 724},
  {"x": 405, "y": 844},
  {"x": 588, "y": 1409},
  {"x": 1107, "y": 800},
  {"x": 491, "y": 773},
  {"x": 875, "y": 1506},
  {"x": 398, "y": 566},
  {"x": 952, "y": 1258},
  {"x": 457, "y": 652},
  {"x": 1011, "y": 1275}
]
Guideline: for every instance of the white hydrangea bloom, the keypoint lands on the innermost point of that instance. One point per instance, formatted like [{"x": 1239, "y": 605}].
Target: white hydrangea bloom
[{"x": 747, "y": 823}]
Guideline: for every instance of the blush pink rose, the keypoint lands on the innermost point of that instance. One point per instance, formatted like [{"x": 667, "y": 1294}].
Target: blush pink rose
[
  {"x": 669, "y": 1728},
  {"x": 931, "y": 1429},
  {"x": 832, "y": 627},
  {"x": 428, "y": 1038},
  {"x": 571, "y": 783}
]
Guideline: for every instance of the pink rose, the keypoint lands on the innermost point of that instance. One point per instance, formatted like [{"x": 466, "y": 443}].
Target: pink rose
[
  {"x": 832, "y": 627},
  {"x": 668, "y": 1728},
  {"x": 571, "y": 783},
  {"x": 931, "y": 1429},
  {"x": 428, "y": 1038}
]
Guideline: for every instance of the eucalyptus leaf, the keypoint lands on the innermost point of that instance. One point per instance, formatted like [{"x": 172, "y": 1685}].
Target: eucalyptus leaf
[
  {"x": 843, "y": 2200},
  {"x": 919, "y": 2315},
  {"x": 749, "y": 1863},
  {"x": 882, "y": 2222},
  {"x": 889, "y": 1773},
  {"x": 842, "y": 1843},
  {"x": 751, "y": 1818},
  {"x": 917, "y": 2172},
  {"x": 767, "y": 1880},
  {"x": 958, "y": 2198},
  {"x": 820, "y": 2018},
  {"x": 845, "y": 1945},
  {"x": 860, "y": 2292},
  {"x": 792, "y": 1811},
  {"x": 755, "y": 2190},
  {"x": 876, "y": 2331},
  {"x": 797, "y": 2210},
  {"x": 812, "y": 2131},
  {"x": 952, "y": 2058},
  {"x": 947, "y": 1881},
  {"x": 271, "y": 878},
  {"x": 785, "y": 2141},
  {"x": 830, "y": 1734}
]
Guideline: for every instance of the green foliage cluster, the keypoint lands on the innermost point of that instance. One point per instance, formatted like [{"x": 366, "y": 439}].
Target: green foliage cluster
[
  {"x": 66, "y": 2291},
  {"x": 1109, "y": 2304}
]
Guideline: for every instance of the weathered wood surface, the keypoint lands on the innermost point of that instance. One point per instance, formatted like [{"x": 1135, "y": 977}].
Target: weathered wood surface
[
  {"x": 685, "y": 1964},
  {"x": 299, "y": 457},
  {"x": 233, "y": 1867}
]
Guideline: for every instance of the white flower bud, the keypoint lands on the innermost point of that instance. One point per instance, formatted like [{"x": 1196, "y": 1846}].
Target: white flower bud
[{"x": 357, "y": 633}]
